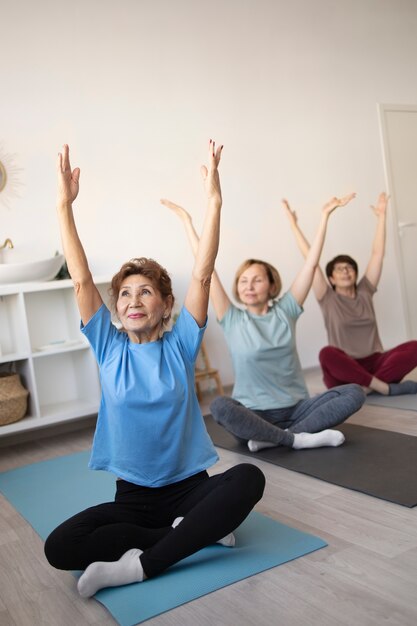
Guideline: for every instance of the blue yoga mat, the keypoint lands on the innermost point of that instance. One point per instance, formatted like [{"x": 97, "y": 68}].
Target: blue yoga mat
[{"x": 49, "y": 492}]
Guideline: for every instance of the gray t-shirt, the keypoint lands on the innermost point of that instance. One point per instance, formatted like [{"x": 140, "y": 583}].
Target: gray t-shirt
[
  {"x": 267, "y": 369},
  {"x": 350, "y": 322}
]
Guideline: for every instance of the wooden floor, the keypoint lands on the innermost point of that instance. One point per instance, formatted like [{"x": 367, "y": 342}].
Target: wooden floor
[{"x": 365, "y": 577}]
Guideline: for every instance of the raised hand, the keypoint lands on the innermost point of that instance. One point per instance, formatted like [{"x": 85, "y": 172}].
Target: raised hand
[
  {"x": 210, "y": 174},
  {"x": 332, "y": 204},
  {"x": 68, "y": 181},
  {"x": 178, "y": 210},
  {"x": 292, "y": 215},
  {"x": 381, "y": 206}
]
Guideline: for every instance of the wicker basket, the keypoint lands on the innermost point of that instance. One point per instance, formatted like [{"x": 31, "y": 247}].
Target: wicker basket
[{"x": 13, "y": 399}]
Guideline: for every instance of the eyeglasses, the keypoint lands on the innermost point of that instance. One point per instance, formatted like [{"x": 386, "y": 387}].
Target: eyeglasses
[{"x": 339, "y": 269}]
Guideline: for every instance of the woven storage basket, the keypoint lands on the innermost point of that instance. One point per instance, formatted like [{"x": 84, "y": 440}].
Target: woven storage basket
[{"x": 13, "y": 399}]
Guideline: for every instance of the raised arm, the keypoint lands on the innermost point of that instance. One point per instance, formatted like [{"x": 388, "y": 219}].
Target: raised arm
[
  {"x": 374, "y": 268},
  {"x": 87, "y": 294},
  {"x": 304, "y": 279},
  {"x": 218, "y": 295},
  {"x": 319, "y": 279},
  {"x": 204, "y": 248}
]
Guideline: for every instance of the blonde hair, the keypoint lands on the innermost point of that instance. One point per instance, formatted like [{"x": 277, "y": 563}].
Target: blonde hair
[{"x": 271, "y": 272}]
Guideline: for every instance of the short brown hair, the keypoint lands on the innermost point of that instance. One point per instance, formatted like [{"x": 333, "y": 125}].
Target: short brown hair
[
  {"x": 341, "y": 258},
  {"x": 157, "y": 274},
  {"x": 272, "y": 273}
]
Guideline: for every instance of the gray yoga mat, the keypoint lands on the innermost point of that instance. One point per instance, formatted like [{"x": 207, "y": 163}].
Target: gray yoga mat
[
  {"x": 377, "y": 462},
  {"x": 406, "y": 402}
]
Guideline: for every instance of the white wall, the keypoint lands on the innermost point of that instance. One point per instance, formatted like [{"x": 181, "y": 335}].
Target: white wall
[{"x": 137, "y": 88}]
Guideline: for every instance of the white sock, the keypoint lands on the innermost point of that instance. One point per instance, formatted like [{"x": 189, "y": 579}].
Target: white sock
[
  {"x": 318, "y": 440},
  {"x": 255, "y": 446},
  {"x": 128, "y": 569},
  {"x": 228, "y": 541},
  {"x": 176, "y": 521}
]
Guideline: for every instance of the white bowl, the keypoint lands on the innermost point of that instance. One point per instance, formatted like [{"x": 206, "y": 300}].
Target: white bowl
[{"x": 45, "y": 269}]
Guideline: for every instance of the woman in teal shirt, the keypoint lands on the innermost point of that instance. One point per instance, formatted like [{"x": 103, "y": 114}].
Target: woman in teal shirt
[{"x": 270, "y": 405}]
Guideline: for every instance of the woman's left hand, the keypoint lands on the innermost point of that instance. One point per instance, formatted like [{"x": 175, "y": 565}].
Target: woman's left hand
[
  {"x": 332, "y": 204},
  {"x": 210, "y": 174}
]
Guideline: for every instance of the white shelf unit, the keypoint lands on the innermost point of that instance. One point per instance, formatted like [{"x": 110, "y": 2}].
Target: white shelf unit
[{"x": 40, "y": 339}]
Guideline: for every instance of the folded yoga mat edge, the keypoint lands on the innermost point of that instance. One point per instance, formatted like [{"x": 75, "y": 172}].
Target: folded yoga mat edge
[{"x": 407, "y": 402}]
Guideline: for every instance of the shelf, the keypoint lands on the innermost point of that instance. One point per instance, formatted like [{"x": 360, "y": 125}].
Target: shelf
[
  {"x": 14, "y": 356},
  {"x": 13, "y": 326},
  {"x": 26, "y": 423},
  {"x": 58, "y": 413},
  {"x": 52, "y": 317},
  {"x": 41, "y": 340},
  {"x": 50, "y": 285},
  {"x": 53, "y": 351},
  {"x": 69, "y": 376}
]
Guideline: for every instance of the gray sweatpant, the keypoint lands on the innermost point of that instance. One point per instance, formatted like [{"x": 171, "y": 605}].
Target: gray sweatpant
[{"x": 325, "y": 410}]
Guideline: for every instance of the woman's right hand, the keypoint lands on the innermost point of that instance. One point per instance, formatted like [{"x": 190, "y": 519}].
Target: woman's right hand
[
  {"x": 210, "y": 174},
  {"x": 380, "y": 208},
  {"x": 178, "y": 210},
  {"x": 68, "y": 181}
]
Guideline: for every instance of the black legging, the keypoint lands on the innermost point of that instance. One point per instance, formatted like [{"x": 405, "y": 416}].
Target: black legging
[{"x": 141, "y": 517}]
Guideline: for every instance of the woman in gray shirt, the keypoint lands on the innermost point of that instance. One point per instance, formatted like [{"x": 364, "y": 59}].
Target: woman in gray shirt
[{"x": 355, "y": 353}]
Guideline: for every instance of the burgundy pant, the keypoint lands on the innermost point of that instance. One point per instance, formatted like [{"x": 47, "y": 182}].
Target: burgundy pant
[{"x": 391, "y": 366}]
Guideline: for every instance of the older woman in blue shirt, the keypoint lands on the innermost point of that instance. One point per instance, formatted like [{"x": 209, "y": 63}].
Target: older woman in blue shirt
[{"x": 150, "y": 433}]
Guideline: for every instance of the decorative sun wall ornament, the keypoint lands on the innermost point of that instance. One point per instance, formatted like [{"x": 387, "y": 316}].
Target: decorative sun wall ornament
[{"x": 9, "y": 178}]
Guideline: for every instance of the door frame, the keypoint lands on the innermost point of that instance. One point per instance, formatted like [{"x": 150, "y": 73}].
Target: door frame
[{"x": 383, "y": 109}]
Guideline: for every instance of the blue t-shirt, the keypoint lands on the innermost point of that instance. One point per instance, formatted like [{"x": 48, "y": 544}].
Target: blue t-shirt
[
  {"x": 150, "y": 430},
  {"x": 267, "y": 369}
]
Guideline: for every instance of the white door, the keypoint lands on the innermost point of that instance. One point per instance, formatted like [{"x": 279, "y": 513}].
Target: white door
[{"x": 399, "y": 138}]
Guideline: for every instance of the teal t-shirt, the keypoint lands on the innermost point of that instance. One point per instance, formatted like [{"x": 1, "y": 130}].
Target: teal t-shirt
[
  {"x": 267, "y": 368},
  {"x": 150, "y": 430}
]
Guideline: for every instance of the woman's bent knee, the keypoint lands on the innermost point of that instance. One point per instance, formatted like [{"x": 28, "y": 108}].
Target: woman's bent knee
[
  {"x": 53, "y": 551},
  {"x": 354, "y": 393},
  {"x": 258, "y": 480},
  {"x": 252, "y": 478},
  {"x": 326, "y": 353},
  {"x": 220, "y": 406},
  {"x": 60, "y": 550},
  {"x": 412, "y": 346},
  {"x": 357, "y": 393}
]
